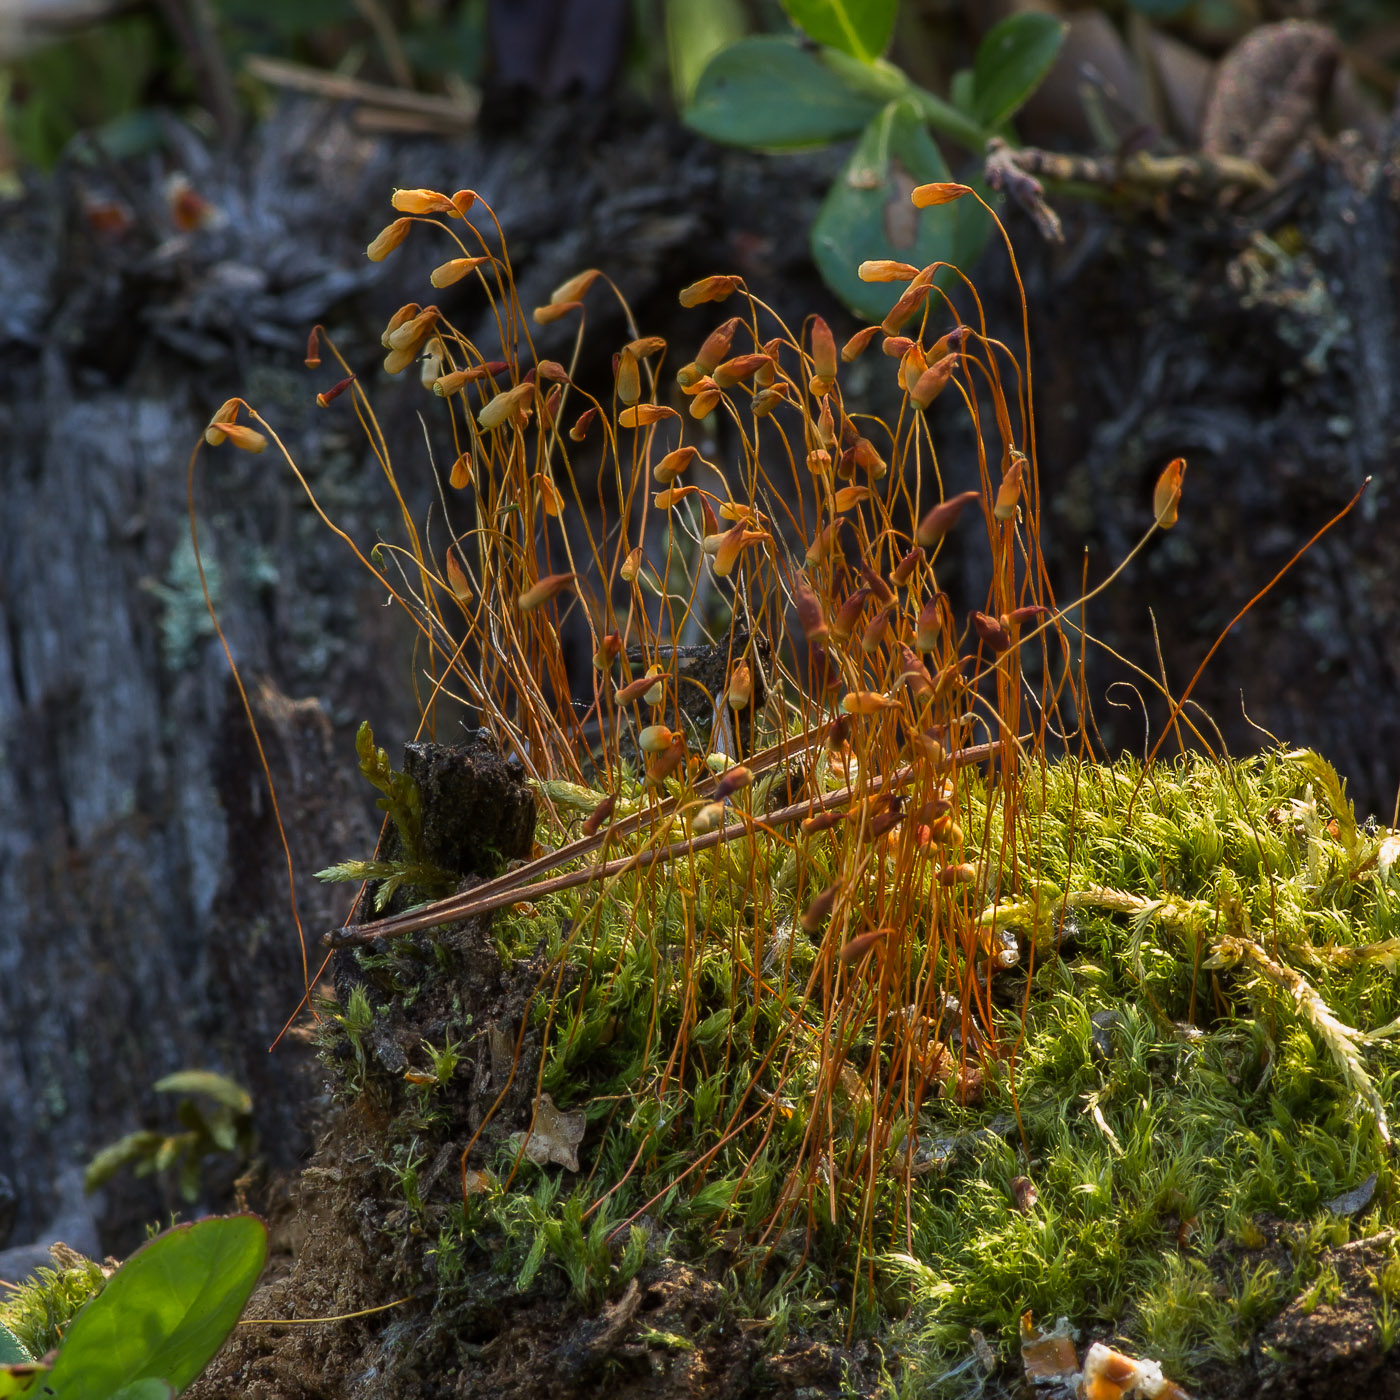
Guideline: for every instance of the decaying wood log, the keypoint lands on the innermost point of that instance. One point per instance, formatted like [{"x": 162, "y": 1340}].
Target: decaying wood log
[{"x": 147, "y": 918}]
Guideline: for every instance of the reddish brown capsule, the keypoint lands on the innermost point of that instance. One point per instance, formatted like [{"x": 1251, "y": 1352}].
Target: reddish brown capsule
[
  {"x": 664, "y": 764},
  {"x": 822, "y": 821},
  {"x": 766, "y": 400},
  {"x": 766, "y": 374},
  {"x": 313, "y": 348},
  {"x": 990, "y": 630},
  {"x": 941, "y": 192},
  {"x": 643, "y": 415},
  {"x": 931, "y": 622},
  {"x": 872, "y": 637},
  {"x": 933, "y": 381},
  {"x": 897, "y": 346},
  {"x": 823, "y": 358},
  {"x": 911, "y": 300},
  {"x": 942, "y": 518},
  {"x": 1017, "y": 616},
  {"x": 904, "y": 570},
  {"x": 819, "y": 910},
  {"x": 582, "y": 424},
  {"x": 709, "y": 289},
  {"x": 739, "y": 368},
  {"x": 609, "y": 649},
  {"x": 883, "y": 821},
  {"x": 732, "y": 780},
  {"x": 949, "y": 343},
  {"x": 555, "y": 311},
  {"x": 548, "y": 587},
  {"x": 824, "y": 543},
  {"x": 576, "y": 288},
  {"x": 387, "y": 239},
  {"x": 886, "y": 270},
  {"x": 595, "y": 819},
  {"x": 1166, "y": 497},
  {"x": 809, "y": 611},
  {"x": 423, "y": 202},
  {"x": 452, "y": 271},
  {"x": 335, "y": 391},
  {"x": 715, "y": 347},
  {"x": 957, "y": 874},
  {"x": 635, "y": 689},
  {"x": 628, "y": 377},
  {"x": 848, "y": 614},
  {"x": 859, "y": 946},
  {"x": 1009, "y": 492},
  {"x": 915, "y": 674},
  {"x": 883, "y": 592},
  {"x": 838, "y": 733},
  {"x": 858, "y": 343},
  {"x": 868, "y": 459}
]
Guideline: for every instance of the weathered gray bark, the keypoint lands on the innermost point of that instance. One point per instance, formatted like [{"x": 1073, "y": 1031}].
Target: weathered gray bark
[{"x": 147, "y": 919}]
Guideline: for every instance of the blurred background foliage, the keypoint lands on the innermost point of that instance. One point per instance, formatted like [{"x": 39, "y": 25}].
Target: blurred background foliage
[{"x": 116, "y": 69}]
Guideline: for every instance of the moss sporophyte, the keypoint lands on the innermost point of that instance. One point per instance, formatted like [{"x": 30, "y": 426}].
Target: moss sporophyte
[{"x": 866, "y": 967}]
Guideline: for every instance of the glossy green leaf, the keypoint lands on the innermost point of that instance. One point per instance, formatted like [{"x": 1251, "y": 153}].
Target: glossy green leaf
[
  {"x": 868, "y": 213},
  {"x": 774, "y": 94},
  {"x": 164, "y": 1313},
  {"x": 147, "y": 1388},
  {"x": 203, "y": 1081},
  {"x": 13, "y": 1352},
  {"x": 1010, "y": 63},
  {"x": 694, "y": 34},
  {"x": 861, "y": 28},
  {"x": 23, "y": 1379}
]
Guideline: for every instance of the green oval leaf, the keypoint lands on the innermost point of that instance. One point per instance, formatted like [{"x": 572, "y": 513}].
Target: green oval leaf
[
  {"x": 771, "y": 93},
  {"x": 165, "y": 1312},
  {"x": 867, "y": 213},
  {"x": 23, "y": 1379},
  {"x": 1010, "y": 63},
  {"x": 147, "y": 1388},
  {"x": 861, "y": 28},
  {"x": 204, "y": 1081},
  {"x": 694, "y": 34}
]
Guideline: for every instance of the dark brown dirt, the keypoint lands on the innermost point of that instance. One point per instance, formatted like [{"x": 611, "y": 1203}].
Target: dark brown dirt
[{"x": 1315, "y": 1349}]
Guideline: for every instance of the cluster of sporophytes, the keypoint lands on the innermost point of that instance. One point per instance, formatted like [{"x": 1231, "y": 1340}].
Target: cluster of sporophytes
[{"x": 858, "y": 966}]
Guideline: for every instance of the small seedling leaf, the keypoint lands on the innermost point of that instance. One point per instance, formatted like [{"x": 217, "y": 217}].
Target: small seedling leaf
[
  {"x": 1010, "y": 63},
  {"x": 202, "y": 1081},
  {"x": 861, "y": 28},
  {"x": 867, "y": 213},
  {"x": 164, "y": 1313},
  {"x": 770, "y": 93},
  {"x": 134, "y": 1147}
]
